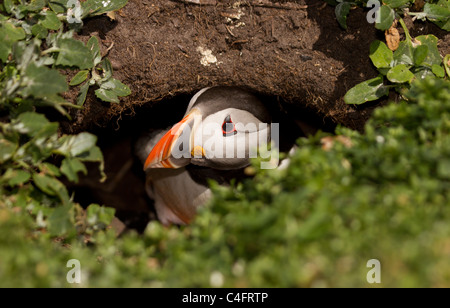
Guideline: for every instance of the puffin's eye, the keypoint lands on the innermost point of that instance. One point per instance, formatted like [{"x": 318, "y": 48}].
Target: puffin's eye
[{"x": 228, "y": 128}]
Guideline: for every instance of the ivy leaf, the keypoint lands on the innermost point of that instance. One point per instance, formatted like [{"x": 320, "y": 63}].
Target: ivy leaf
[
  {"x": 79, "y": 78},
  {"x": 386, "y": 16},
  {"x": 51, "y": 21},
  {"x": 365, "y": 91},
  {"x": 380, "y": 54},
  {"x": 400, "y": 74},
  {"x": 70, "y": 168},
  {"x": 341, "y": 11},
  {"x": 42, "y": 81},
  {"x": 74, "y": 53}
]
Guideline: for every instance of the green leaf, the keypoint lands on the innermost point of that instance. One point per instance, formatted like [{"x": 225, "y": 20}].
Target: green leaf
[
  {"x": 420, "y": 53},
  {"x": 107, "y": 69},
  {"x": 98, "y": 7},
  {"x": 42, "y": 81},
  {"x": 386, "y": 16},
  {"x": 75, "y": 145},
  {"x": 81, "y": 98},
  {"x": 70, "y": 168},
  {"x": 99, "y": 217},
  {"x": 61, "y": 221},
  {"x": 39, "y": 31},
  {"x": 74, "y": 53},
  {"x": 396, "y": 3},
  {"x": 49, "y": 169},
  {"x": 79, "y": 78},
  {"x": 58, "y": 6},
  {"x": 400, "y": 74},
  {"x": 433, "y": 55},
  {"x": 438, "y": 70},
  {"x": 341, "y": 11},
  {"x": 365, "y": 91},
  {"x": 380, "y": 54},
  {"x": 7, "y": 150},
  {"x": 17, "y": 177},
  {"x": 404, "y": 54},
  {"x": 94, "y": 47},
  {"x": 436, "y": 12},
  {"x": 422, "y": 72},
  {"x": 8, "y": 35},
  {"x": 30, "y": 123},
  {"x": 51, "y": 21},
  {"x": 8, "y": 5},
  {"x": 107, "y": 96},
  {"x": 116, "y": 86},
  {"x": 51, "y": 186},
  {"x": 35, "y": 5}
]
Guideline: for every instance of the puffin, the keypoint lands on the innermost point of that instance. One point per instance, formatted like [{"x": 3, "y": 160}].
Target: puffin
[{"x": 222, "y": 128}]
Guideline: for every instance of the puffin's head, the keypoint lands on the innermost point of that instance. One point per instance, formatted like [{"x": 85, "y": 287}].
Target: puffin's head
[{"x": 223, "y": 127}]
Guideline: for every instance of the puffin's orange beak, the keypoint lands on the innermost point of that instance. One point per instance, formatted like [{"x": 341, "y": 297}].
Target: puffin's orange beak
[{"x": 161, "y": 154}]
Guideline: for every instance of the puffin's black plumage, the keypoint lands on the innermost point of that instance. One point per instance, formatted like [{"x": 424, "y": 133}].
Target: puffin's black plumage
[{"x": 179, "y": 185}]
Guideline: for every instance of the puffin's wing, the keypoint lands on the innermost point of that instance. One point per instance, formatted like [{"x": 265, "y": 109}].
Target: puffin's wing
[{"x": 177, "y": 196}]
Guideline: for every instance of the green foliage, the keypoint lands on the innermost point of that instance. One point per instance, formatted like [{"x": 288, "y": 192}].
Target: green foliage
[
  {"x": 435, "y": 11},
  {"x": 383, "y": 194},
  {"x": 415, "y": 58},
  {"x": 30, "y": 74},
  {"x": 36, "y": 159}
]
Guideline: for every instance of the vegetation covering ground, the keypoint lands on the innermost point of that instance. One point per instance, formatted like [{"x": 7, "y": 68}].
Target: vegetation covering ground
[{"x": 343, "y": 200}]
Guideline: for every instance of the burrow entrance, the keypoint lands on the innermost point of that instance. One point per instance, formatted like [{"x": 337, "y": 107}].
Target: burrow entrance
[{"x": 124, "y": 188}]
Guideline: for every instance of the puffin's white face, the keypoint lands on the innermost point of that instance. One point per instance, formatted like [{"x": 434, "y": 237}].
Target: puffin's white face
[
  {"x": 227, "y": 139},
  {"x": 218, "y": 131}
]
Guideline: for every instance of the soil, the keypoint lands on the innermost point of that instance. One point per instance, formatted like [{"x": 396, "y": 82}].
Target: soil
[{"x": 293, "y": 53}]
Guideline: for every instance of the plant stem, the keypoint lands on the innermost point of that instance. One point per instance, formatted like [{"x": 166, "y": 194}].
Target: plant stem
[
  {"x": 50, "y": 50},
  {"x": 408, "y": 37}
]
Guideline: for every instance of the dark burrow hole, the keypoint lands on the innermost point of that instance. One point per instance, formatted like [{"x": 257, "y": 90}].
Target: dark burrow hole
[{"x": 124, "y": 187}]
